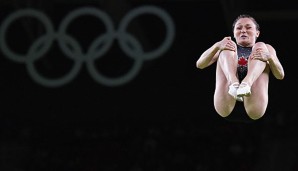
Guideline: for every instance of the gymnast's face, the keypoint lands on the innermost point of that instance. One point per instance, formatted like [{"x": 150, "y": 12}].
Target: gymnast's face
[{"x": 245, "y": 32}]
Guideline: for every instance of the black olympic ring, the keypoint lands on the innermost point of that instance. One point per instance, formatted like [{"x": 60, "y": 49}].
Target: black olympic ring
[{"x": 43, "y": 44}]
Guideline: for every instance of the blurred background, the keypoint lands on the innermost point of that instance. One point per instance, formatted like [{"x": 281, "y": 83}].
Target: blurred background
[{"x": 109, "y": 85}]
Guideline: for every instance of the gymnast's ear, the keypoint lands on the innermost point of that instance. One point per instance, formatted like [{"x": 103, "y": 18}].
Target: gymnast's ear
[{"x": 258, "y": 34}]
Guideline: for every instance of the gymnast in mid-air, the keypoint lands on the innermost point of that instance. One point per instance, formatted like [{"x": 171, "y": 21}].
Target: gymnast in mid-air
[{"x": 242, "y": 69}]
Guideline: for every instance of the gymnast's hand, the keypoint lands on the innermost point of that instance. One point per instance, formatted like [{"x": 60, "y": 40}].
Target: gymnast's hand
[
  {"x": 261, "y": 54},
  {"x": 227, "y": 44}
]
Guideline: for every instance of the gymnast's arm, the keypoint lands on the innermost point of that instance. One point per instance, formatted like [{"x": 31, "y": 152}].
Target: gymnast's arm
[
  {"x": 274, "y": 63},
  {"x": 209, "y": 56}
]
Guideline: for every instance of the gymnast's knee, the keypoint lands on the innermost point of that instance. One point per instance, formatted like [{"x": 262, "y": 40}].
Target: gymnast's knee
[
  {"x": 260, "y": 45},
  {"x": 224, "y": 112},
  {"x": 255, "y": 115}
]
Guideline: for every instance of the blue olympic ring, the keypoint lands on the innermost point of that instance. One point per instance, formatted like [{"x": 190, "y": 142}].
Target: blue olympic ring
[{"x": 40, "y": 46}]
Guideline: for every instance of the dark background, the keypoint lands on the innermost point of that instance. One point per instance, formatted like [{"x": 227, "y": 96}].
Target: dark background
[{"x": 161, "y": 120}]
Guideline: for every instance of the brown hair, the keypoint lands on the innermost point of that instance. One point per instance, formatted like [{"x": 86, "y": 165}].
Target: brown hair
[{"x": 246, "y": 16}]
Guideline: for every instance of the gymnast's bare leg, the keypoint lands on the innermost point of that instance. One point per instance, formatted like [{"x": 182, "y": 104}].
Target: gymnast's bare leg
[
  {"x": 258, "y": 78},
  {"x": 226, "y": 70}
]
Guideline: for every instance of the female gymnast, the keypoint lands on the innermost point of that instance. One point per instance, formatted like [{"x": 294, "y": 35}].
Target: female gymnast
[{"x": 242, "y": 70}]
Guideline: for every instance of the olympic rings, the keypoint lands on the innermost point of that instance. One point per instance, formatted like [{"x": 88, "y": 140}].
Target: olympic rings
[{"x": 42, "y": 45}]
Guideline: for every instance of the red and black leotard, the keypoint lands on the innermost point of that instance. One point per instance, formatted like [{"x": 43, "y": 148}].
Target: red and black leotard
[{"x": 243, "y": 54}]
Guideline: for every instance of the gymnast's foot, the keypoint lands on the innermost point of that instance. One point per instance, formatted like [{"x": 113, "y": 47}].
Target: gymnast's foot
[
  {"x": 233, "y": 91},
  {"x": 243, "y": 90}
]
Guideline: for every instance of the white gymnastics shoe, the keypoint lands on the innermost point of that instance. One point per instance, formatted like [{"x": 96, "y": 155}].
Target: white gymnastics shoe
[
  {"x": 243, "y": 90},
  {"x": 233, "y": 91}
]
